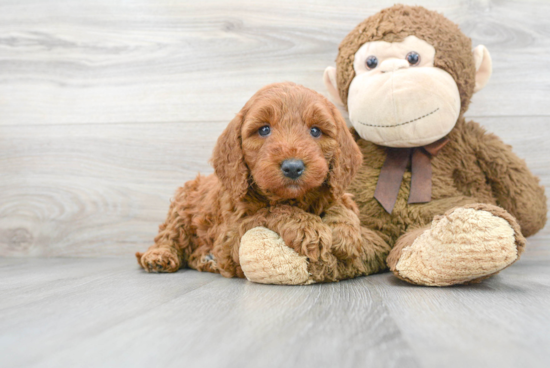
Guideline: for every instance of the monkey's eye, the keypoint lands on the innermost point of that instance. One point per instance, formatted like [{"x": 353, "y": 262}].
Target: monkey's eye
[
  {"x": 264, "y": 131},
  {"x": 372, "y": 62},
  {"x": 413, "y": 58},
  {"x": 315, "y": 132}
]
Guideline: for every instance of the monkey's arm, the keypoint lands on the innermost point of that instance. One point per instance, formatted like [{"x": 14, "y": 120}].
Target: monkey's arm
[
  {"x": 300, "y": 230},
  {"x": 515, "y": 188}
]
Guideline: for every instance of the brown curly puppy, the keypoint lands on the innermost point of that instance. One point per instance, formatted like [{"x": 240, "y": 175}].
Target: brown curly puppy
[{"x": 282, "y": 163}]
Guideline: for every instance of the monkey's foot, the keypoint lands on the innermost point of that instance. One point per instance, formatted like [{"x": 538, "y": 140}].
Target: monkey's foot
[
  {"x": 265, "y": 259},
  {"x": 465, "y": 245},
  {"x": 158, "y": 260}
]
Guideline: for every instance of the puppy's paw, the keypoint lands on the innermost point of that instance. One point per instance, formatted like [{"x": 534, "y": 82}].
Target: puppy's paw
[
  {"x": 467, "y": 244},
  {"x": 346, "y": 232},
  {"x": 346, "y": 240},
  {"x": 159, "y": 260},
  {"x": 265, "y": 259},
  {"x": 312, "y": 238}
]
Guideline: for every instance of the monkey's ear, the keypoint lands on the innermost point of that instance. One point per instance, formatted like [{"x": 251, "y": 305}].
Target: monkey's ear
[
  {"x": 332, "y": 86},
  {"x": 484, "y": 67},
  {"x": 228, "y": 159}
]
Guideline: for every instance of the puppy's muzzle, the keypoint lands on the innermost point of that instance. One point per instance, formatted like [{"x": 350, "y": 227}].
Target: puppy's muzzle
[{"x": 293, "y": 169}]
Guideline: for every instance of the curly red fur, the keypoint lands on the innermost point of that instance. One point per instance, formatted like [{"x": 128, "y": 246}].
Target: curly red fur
[{"x": 312, "y": 213}]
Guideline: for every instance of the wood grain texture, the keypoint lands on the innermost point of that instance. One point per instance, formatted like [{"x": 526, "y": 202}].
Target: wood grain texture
[
  {"x": 148, "y": 61},
  {"x": 107, "y": 106},
  {"x": 108, "y": 313},
  {"x": 102, "y": 190},
  {"x": 93, "y": 190}
]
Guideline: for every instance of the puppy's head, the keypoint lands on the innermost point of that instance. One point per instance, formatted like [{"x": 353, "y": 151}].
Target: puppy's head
[{"x": 289, "y": 140}]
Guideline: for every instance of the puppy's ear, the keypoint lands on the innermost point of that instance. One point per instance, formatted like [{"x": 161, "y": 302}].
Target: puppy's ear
[
  {"x": 228, "y": 159},
  {"x": 347, "y": 158}
]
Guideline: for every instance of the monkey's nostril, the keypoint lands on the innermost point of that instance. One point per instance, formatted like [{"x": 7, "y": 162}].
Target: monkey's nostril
[{"x": 293, "y": 169}]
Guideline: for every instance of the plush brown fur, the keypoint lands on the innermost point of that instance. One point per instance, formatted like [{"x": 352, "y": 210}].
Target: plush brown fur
[
  {"x": 312, "y": 214},
  {"x": 473, "y": 168}
]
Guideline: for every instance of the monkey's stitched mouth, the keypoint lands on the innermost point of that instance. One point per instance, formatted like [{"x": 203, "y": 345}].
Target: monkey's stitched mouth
[{"x": 396, "y": 125}]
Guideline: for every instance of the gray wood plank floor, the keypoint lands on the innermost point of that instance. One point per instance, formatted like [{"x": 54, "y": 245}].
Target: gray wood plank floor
[
  {"x": 108, "y": 313},
  {"x": 106, "y": 106}
]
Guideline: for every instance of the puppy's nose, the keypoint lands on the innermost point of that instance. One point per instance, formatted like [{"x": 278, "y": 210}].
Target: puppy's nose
[{"x": 293, "y": 168}]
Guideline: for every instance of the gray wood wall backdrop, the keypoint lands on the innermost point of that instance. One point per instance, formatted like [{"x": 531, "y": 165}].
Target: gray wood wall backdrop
[{"x": 106, "y": 106}]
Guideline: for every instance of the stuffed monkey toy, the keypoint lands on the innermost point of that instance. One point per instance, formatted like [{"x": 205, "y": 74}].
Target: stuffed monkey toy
[{"x": 452, "y": 202}]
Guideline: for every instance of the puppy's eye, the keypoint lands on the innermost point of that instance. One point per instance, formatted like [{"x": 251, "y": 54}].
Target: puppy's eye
[
  {"x": 315, "y": 132},
  {"x": 413, "y": 58},
  {"x": 264, "y": 131},
  {"x": 372, "y": 62}
]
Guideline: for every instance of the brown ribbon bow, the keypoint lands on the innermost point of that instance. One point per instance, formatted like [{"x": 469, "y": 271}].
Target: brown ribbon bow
[{"x": 394, "y": 167}]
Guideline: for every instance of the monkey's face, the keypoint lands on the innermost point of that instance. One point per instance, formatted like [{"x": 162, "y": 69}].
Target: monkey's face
[
  {"x": 405, "y": 75},
  {"x": 398, "y": 98}
]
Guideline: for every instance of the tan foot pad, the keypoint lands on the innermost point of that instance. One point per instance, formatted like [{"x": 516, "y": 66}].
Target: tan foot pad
[
  {"x": 265, "y": 259},
  {"x": 461, "y": 246}
]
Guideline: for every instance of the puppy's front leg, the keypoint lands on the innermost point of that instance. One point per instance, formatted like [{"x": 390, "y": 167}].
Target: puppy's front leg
[
  {"x": 302, "y": 231},
  {"x": 360, "y": 251},
  {"x": 346, "y": 231},
  {"x": 166, "y": 255}
]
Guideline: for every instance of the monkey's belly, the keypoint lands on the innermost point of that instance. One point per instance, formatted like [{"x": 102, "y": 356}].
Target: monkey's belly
[{"x": 404, "y": 216}]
